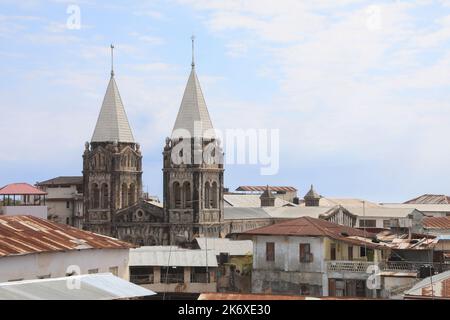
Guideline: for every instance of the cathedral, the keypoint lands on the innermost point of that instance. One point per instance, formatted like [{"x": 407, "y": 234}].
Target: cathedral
[{"x": 192, "y": 175}]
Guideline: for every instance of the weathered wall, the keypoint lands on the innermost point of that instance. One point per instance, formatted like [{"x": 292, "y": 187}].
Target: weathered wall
[{"x": 32, "y": 266}]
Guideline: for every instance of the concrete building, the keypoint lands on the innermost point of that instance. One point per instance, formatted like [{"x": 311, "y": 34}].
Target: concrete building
[
  {"x": 34, "y": 248},
  {"x": 23, "y": 199},
  {"x": 308, "y": 256},
  {"x": 171, "y": 269},
  {"x": 64, "y": 199}
]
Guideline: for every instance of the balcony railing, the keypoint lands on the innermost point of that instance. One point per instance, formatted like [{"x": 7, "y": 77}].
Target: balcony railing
[
  {"x": 348, "y": 266},
  {"x": 394, "y": 266}
]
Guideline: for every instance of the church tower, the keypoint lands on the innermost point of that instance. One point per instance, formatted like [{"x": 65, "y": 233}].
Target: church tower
[
  {"x": 112, "y": 165},
  {"x": 193, "y": 170}
]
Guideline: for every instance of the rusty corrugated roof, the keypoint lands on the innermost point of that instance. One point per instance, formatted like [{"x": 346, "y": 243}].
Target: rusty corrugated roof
[
  {"x": 262, "y": 188},
  {"x": 312, "y": 227},
  {"x": 20, "y": 235},
  {"x": 21, "y": 189},
  {"x": 62, "y": 180},
  {"x": 430, "y": 199},
  {"x": 436, "y": 222}
]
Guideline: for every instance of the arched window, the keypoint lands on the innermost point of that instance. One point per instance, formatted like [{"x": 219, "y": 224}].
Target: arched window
[
  {"x": 177, "y": 194},
  {"x": 124, "y": 195},
  {"x": 213, "y": 197},
  {"x": 131, "y": 195},
  {"x": 187, "y": 195},
  {"x": 207, "y": 194},
  {"x": 105, "y": 196},
  {"x": 95, "y": 196}
]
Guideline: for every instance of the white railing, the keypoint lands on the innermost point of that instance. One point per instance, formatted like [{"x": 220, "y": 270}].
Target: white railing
[{"x": 349, "y": 266}]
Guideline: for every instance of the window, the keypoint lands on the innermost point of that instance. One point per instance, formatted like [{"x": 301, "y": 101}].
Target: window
[
  {"x": 92, "y": 271},
  {"x": 332, "y": 251},
  {"x": 350, "y": 253},
  {"x": 270, "y": 251},
  {"x": 68, "y": 204},
  {"x": 141, "y": 275},
  {"x": 172, "y": 275},
  {"x": 199, "y": 275},
  {"x": 368, "y": 223},
  {"x": 114, "y": 270},
  {"x": 305, "y": 252},
  {"x": 386, "y": 224},
  {"x": 67, "y": 220}
]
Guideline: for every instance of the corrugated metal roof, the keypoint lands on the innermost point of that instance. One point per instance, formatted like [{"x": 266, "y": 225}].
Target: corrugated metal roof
[
  {"x": 420, "y": 206},
  {"x": 21, "y": 189},
  {"x": 172, "y": 256},
  {"x": 436, "y": 222},
  {"x": 101, "y": 286},
  {"x": 312, "y": 227},
  {"x": 440, "y": 288},
  {"x": 62, "y": 180},
  {"x": 20, "y": 235},
  {"x": 251, "y": 201},
  {"x": 235, "y": 213},
  {"x": 430, "y": 199},
  {"x": 233, "y": 247},
  {"x": 262, "y": 188},
  {"x": 112, "y": 123},
  {"x": 346, "y": 202},
  {"x": 193, "y": 116},
  {"x": 380, "y": 212}
]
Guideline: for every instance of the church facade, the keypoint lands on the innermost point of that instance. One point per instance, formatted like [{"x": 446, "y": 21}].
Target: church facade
[{"x": 192, "y": 176}]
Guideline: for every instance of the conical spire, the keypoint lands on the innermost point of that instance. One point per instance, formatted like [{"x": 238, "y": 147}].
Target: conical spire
[
  {"x": 112, "y": 123},
  {"x": 193, "y": 117},
  {"x": 312, "y": 194}
]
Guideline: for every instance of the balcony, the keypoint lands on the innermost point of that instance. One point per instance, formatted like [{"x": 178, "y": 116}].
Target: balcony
[
  {"x": 389, "y": 266},
  {"x": 348, "y": 266}
]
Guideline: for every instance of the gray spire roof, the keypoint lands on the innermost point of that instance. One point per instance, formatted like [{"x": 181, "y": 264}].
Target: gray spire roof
[
  {"x": 112, "y": 123},
  {"x": 193, "y": 116},
  {"x": 312, "y": 194}
]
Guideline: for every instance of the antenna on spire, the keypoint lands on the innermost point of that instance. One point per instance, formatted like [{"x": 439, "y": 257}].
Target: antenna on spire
[
  {"x": 112, "y": 60},
  {"x": 193, "y": 63}
]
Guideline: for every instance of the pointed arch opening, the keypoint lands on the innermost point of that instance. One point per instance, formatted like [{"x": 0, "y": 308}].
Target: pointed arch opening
[
  {"x": 95, "y": 196},
  {"x": 124, "y": 195},
  {"x": 105, "y": 196},
  {"x": 207, "y": 195},
  {"x": 177, "y": 194},
  {"x": 187, "y": 195},
  {"x": 214, "y": 195},
  {"x": 131, "y": 194}
]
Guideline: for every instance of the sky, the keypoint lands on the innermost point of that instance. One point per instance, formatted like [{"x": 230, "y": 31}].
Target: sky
[{"x": 359, "y": 90}]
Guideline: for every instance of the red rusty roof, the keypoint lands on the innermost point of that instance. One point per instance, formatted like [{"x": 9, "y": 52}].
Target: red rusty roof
[
  {"x": 436, "y": 222},
  {"x": 313, "y": 227},
  {"x": 430, "y": 199},
  {"x": 20, "y": 235},
  {"x": 20, "y": 189},
  {"x": 262, "y": 188}
]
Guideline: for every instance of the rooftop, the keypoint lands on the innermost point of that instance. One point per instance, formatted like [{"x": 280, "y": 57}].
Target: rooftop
[
  {"x": 21, "y": 189},
  {"x": 100, "y": 286},
  {"x": 233, "y": 247},
  {"x": 250, "y": 201},
  {"x": 430, "y": 199},
  {"x": 263, "y": 188},
  {"x": 21, "y": 235},
  {"x": 312, "y": 227},
  {"x": 437, "y": 286},
  {"x": 436, "y": 223},
  {"x": 62, "y": 180},
  {"x": 172, "y": 256}
]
